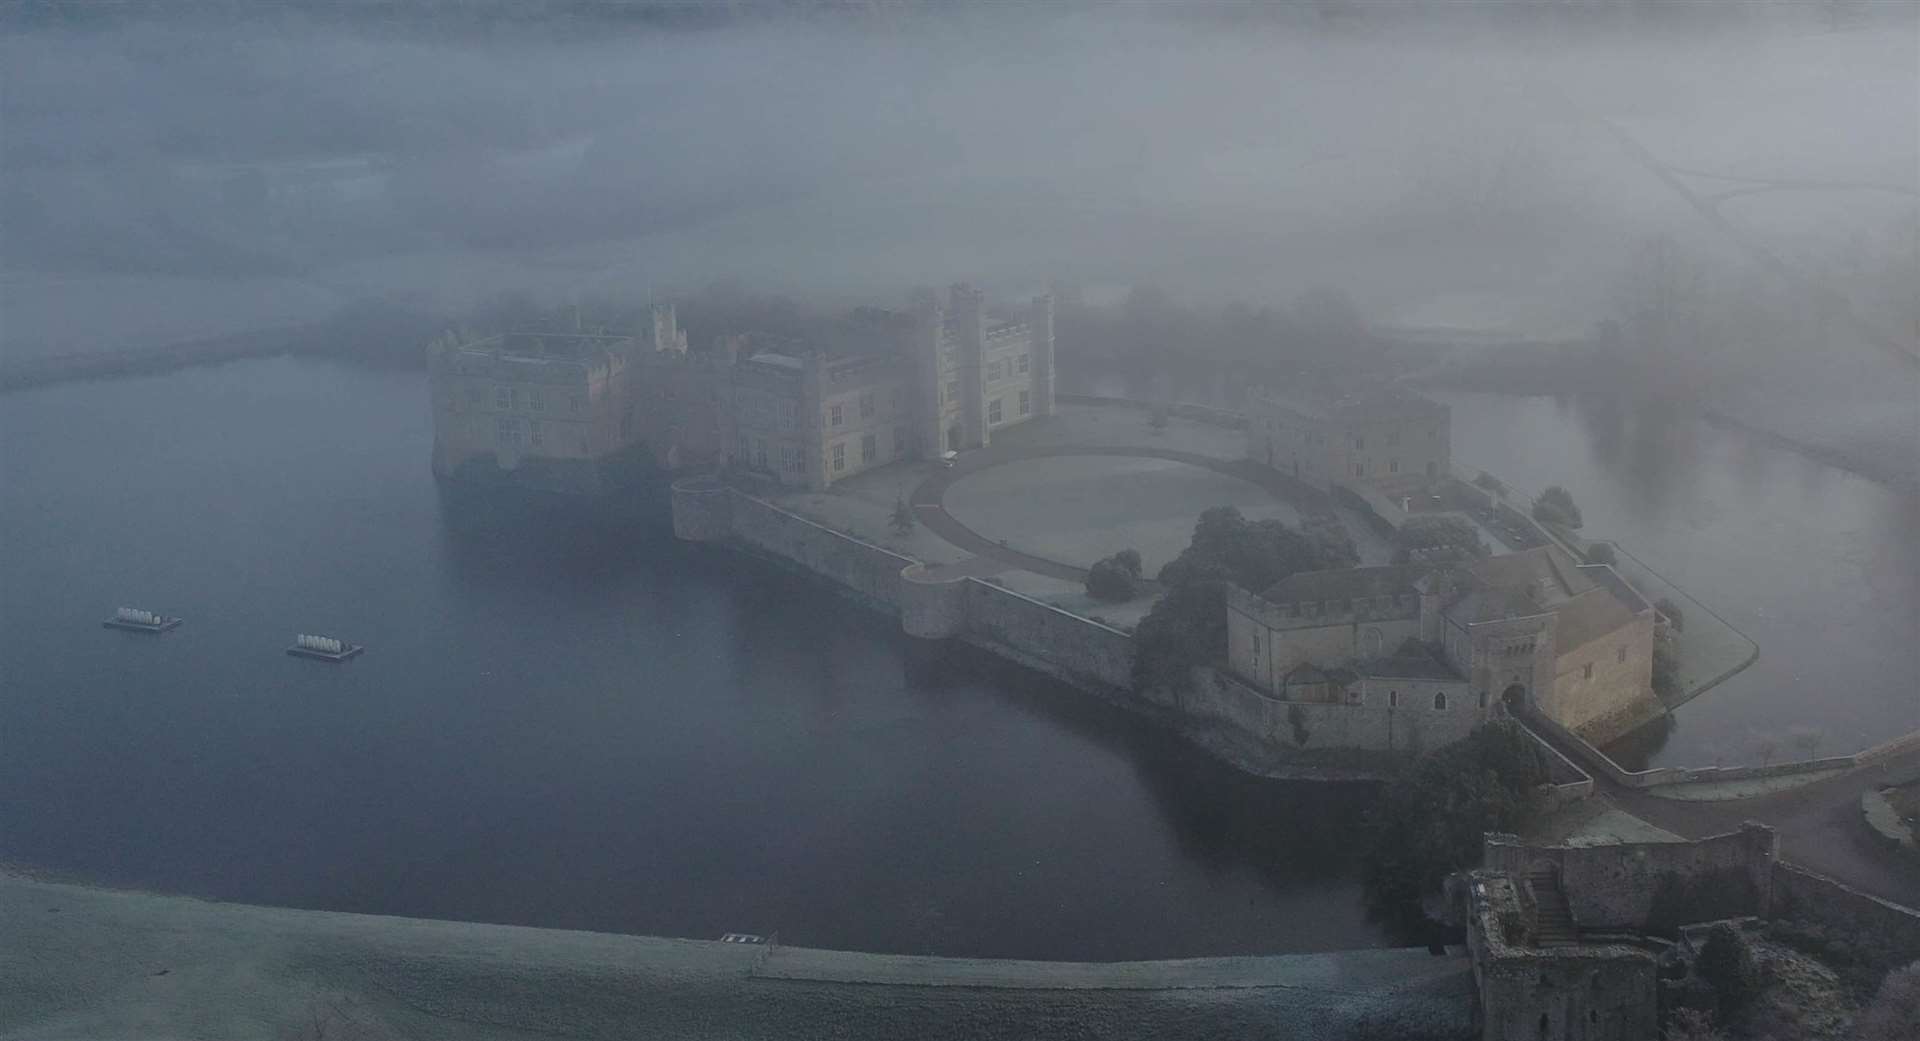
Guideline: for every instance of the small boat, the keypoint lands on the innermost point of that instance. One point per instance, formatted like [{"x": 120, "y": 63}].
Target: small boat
[
  {"x": 323, "y": 648},
  {"x": 134, "y": 620}
]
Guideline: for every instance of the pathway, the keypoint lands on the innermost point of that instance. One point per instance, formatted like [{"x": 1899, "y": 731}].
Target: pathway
[{"x": 1819, "y": 822}]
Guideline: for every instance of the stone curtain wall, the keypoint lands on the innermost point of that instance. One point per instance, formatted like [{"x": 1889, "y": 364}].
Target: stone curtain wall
[
  {"x": 1079, "y": 650},
  {"x": 1653, "y": 886},
  {"x": 864, "y": 568},
  {"x": 1412, "y": 727},
  {"x": 1069, "y": 646},
  {"x": 1886, "y": 931}
]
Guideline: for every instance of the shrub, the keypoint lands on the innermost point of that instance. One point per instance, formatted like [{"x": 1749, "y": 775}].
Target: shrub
[
  {"x": 1894, "y": 1014},
  {"x": 1601, "y": 553},
  {"x": 1187, "y": 627},
  {"x": 1251, "y": 554},
  {"x": 1115, "y": 578},
  {"x": 1666, "y": 672},
  {"x": 1727, "y": 963},
  {"x": 1430, "y": 821},
  {"x": 1691, "y": 1025},
  {"x": 1672, "y": 610},
  {"x": 1490, "y": 483},
  {"x": 1332, "y": 543},
  {"x": 1556, "y": 506}
]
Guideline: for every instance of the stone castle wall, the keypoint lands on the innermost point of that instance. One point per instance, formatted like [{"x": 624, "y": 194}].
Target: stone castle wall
[
  {"x": 866, "y": 569},
  {"x": 1074, "y": 648},
  {"x": 1653, "y": 886},
  {"x": 1882, "y": 930},
  {"x": 1413, "y": 726}
]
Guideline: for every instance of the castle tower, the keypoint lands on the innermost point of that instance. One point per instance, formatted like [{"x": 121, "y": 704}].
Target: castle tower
[
  {"x": 813, "y": 393},
  {"x": 667, "y": 334},
  {"x": 969, "y": 306},
  {"x": 929, "y": 423},
  {"x": 1041, "y": 323}
]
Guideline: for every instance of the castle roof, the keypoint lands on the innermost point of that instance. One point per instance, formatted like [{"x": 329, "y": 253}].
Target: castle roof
[
  {"x": 1587, "y": 601},
  {"x": 1344, "y": 584}
]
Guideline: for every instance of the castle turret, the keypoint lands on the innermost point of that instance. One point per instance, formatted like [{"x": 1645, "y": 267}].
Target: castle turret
[
  {"x": 1041, "y": 324},
  {"x": 969, "y": 306},
  {"x": 931, "y": 438}
]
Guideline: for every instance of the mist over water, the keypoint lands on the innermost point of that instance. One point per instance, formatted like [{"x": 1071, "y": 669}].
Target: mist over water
[
  {"x": 1470, "y": 177},
  {"x": 174, "y": 177}
]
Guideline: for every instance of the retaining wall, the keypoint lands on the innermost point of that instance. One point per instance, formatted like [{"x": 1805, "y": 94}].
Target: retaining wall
[
  {"x": 864, "y": 568},
  {"x": 1079, "y": 648}
]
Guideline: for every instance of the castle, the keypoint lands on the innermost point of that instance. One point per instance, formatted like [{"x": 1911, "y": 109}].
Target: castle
[
  {"x": 552, "y": 405},
  {"x": 1384, "y": 438},
  {"x": 1573, "y": 640}
]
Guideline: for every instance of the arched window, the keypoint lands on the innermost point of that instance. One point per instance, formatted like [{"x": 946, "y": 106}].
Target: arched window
[
  {"x": 1483, "y": 699},
  {"x": 1440, "y": 701},
  {"x": 1393, "y": 699}
]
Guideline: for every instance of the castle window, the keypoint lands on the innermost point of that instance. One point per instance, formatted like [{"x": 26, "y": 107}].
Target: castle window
[
  {"x": 506, "y": 431},
  {"x": 1393, "y": 466},
  {"x": 993, "y": 411},
  {"x": 1620, "y": 655},
  {"x": 993, "y": 371},
  {"x": 839, "y": 457},
  {"x": 953, "y": 391},
  {"x": 1439, "y": 701},
  {"x": 1026, "y": 403},
  {"x": 866, "y": 406},
  {"x": 1586, "y": 671},
  {"x": 835, "y": 415},
  {"x": 576, "y": 402},
  {"x": 502, "y": 398},
  {"x": 539, "y": 434},
  {"x": 1359, "y": 469},
  {"x": 790, "y": 456},
  {"x": 1359, "y": 442},
  {"x": 1021, "y": 364},
  {"x": 535, "y": 399},
  {"x": 760, "y": 452},
  {"x": 868, "y": 448},
  {"x": 1393, "y": 699}
]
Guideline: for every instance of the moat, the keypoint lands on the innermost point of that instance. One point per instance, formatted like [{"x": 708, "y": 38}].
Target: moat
[{"x": 576, "y": 721}]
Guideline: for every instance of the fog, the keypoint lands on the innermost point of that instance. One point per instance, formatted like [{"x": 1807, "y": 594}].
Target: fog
[
  {"x": 1733, "y": 190},
  {"x": 1661, "y": 256}
]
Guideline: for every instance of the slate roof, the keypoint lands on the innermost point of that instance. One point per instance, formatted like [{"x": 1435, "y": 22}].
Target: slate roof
[{"x": 1344, "y": 584}]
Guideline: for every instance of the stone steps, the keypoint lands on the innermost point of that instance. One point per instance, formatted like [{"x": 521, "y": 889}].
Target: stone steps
[{"x": 1553, "y": 925}]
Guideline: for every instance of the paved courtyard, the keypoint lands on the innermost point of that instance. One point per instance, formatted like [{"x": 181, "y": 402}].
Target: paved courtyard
[{"x": 1078, "y": 508}]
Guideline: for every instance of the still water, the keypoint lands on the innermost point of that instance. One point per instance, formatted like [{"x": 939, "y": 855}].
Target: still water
[
  {"x": 1819, "y": 566},
  {"x": 561, "y": 719}
]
